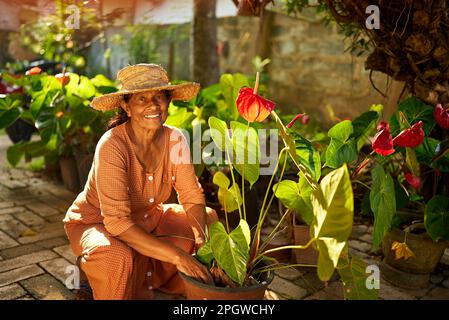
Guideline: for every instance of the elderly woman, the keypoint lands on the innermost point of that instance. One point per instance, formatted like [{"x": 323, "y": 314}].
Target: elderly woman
[{"x": 128, "y": 241}]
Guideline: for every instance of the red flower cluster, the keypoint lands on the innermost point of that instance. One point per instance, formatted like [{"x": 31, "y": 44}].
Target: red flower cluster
[
  {"x": 411, "y": 137},
  {"x": 383, "y": 142}
]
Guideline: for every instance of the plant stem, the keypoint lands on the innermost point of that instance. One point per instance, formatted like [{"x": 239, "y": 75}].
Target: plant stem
[
  {"x": 271, "y": 235},
  {"x": 231, "y": 168},
  {"x": 287, "y": 247},
  {"x": 274, "y": 191},
  {"x": 363, "y": 184},
  {"x": 259, "y": 222}
]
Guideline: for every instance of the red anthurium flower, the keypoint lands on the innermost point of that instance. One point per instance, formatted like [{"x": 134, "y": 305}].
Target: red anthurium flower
[
  {"x": 298, "y": 116},
  {"x": 253, "y": 107},
  {"x": 411, "y": 137},
  {"x": 442, "y": 116},
  {"x": 415, "y": 182},
  {"x": 33, "y": 71},
  {"x": 383, "y": 141}
]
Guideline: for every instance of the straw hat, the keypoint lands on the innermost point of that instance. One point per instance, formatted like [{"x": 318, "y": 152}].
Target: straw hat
[{"x": 144, "y": 77}]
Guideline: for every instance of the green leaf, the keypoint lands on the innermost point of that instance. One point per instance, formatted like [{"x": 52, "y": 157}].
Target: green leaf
[
  {"x": 14, "y": 153},
  {"x": 49, "y": 83},
  {"x": 8, "y": 117},
  {"x": 231, "y": 251},
  {"x": 230, "y": 199},
  {"x": 333, "y": 207},
  {"x": 365, "y": 125},
  {"x": 230, "y": 86},
  {"x": 101, "y": 81},
  {"x": 436, "y": 217},
  {"x": 414, "y": 110},
  {"x": 46, "y": 123},
  {"x": 308, "y": 156},
  {"x": 291, "y": 149},
  {"x": 86, "y": 89},
  {"x": 342, "y": 148},
  {"x": 37, "y": 103},
  {"x": 383, "y": 203},
  {"x": 72, "y": 87},
  {"x": 427, "y": 150},
  {"x": 245, "y": 142},
  {"x": 205, "y": 254},
  {"x": 354, "y": 277},
  {"x": 296, "y": 196},
  {"x": 219, "y": 133},
  {"x": 179, "y": 117},
  {"x": 221, "y": 180},
  {"x": 412, "y": 161}
]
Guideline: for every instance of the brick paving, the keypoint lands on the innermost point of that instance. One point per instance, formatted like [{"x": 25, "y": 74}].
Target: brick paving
[{"x": 34, "y": 251}]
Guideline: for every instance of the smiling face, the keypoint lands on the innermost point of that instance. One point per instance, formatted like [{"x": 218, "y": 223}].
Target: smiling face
[{"x": 148, "y": 110}]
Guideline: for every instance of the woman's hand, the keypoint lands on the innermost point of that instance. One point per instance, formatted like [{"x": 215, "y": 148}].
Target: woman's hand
[{"x": 193, "y": 268}]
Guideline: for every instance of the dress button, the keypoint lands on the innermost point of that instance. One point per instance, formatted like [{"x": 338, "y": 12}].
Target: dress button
[
  {"x": 149, "y": 273},
  {"x": 146, "y": 215},
  {"x": 150, "y": 288},
  {"x": 173, "y": 178},
  {"x": 150, "y": 178},
  {"x": 151, "y": 200}
]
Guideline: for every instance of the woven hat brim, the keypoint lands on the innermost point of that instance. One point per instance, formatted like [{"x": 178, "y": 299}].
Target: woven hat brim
[{"x": 183, "y": 91}]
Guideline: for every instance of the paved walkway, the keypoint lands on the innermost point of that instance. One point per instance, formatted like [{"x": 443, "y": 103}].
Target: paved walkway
[{"x": 34, "y": 251}]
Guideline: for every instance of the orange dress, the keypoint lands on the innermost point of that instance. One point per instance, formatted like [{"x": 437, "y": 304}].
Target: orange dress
[{"x": 119, "y": 194}]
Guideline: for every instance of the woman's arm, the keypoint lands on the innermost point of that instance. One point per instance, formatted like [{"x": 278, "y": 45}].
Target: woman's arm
[
  {"x": 197, "y": 217},
  {"x": 150, "y": 246}
]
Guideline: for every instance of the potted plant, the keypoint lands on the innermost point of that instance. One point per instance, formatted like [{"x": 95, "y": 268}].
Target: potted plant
[
  {"x": 408, "y": 195},
  {"x": 238, "y": 258},
  {"x": 67, "y": 126}
]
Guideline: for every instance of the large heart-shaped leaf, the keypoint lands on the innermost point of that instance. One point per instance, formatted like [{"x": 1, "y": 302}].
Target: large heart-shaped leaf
[
  {"x": 436, "y": 217},
  {"x": 296, "y": 196},
  {"x": 333, "y": 206},
  {"x": 414, "y": 110},
  {"x": 353, "y": 274},
  {"x": 229, "y": 198},
  {"x": 383, "y": 203},
  {"x": 342, "y": 147},
  {"x": 245, "y": 142},
  {"x": 231, "y": 251}
]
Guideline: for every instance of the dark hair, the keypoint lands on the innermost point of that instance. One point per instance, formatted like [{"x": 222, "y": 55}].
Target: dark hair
[{"x": 121, "y": 117}]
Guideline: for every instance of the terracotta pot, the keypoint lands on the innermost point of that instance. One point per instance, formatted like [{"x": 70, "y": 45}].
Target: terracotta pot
[
  {"x": 302, "y": 236},
  {"x": 84, "y": 163},
  {"x": 428, "y": 253},
  {"x": 196, "y": 290},
  {"x": 69, "y": 173}
]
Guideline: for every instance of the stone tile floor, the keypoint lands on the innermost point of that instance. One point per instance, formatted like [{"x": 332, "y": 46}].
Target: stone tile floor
[{"x": 34, "y": 251}]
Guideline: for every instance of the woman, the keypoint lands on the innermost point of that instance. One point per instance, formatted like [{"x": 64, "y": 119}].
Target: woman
[{"x": 129, "y": 243}]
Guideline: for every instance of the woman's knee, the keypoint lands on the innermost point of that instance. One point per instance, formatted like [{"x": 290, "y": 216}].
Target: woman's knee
[{"x": 116, "y": 257}]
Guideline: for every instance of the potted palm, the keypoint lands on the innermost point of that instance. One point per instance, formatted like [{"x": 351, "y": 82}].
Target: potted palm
[{"x": 239, "y": 259}]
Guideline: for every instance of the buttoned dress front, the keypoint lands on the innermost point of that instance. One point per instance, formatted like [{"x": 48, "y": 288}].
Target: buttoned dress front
[{"x": 120, "y": 194}]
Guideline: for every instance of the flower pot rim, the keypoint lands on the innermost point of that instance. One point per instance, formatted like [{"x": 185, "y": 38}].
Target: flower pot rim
[
  {"x": 418, "y": 237},
  {"x": 222, "y": 289}
]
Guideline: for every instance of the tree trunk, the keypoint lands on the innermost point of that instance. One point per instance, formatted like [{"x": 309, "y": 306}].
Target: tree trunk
[{"x": 204, "y": 60}]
